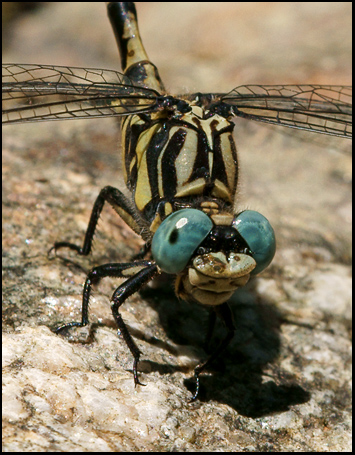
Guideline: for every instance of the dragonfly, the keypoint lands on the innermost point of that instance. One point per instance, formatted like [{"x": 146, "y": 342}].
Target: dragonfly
[{"x": 181, "y": 166}]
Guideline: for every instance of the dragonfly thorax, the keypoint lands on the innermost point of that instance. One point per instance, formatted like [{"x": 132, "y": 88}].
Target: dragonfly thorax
[{"x": 183, "y": 156}]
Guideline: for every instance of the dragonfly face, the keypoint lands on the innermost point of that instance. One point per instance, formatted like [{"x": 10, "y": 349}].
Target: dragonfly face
[{"x": 170, "y": 150}]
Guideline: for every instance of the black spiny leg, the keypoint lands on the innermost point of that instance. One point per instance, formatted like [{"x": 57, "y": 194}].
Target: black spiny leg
[
  {"x": 224, "y": 312},
  {"x": 120, "y": 204},
  {"x": 94, "y": 276},
  {"x": 128, "y": 288}
]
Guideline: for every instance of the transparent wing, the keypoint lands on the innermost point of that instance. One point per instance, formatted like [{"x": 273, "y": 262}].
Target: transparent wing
[
  {"x": 45, "y": 92},
  {"x": 320, "y": 108}
]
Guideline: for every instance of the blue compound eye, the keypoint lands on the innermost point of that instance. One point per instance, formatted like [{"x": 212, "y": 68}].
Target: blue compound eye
[
  {"x": 259, "y": 235},
  {"x": 177, "y": 238}
]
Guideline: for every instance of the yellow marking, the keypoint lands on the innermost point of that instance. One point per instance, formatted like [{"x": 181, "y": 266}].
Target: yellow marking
[
  {"x": 210, "y": 212},
  {"x": 136, "y": 52},
  {"x": 155, "y": 223},
  {"x": 210, "y": 161},
  {"x": 143, "y": 193},
  {"x": 222, "y": 219},
  {"x": 124, "y": 126},
  {"x": 144, "y": 140},
  {"x": 209, "y": 205},
  {"x": 195, "y": 187},
  {"x": 229, "y": 161},
  {"x": 221, "y": 191},
  {"x": 185, "y": 161},
  {"x": 168, "y": 209}
]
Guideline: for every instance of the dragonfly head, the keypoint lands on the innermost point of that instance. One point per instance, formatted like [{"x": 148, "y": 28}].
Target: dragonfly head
[{"x": 212, "y": 260}]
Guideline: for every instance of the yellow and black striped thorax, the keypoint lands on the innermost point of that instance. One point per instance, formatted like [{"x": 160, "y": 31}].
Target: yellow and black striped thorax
[
  {"x": 179, "y": 153},
  {"x": 177, "y": 158}
]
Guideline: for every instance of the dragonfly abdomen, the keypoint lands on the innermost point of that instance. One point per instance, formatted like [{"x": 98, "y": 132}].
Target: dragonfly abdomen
[{"x": 134, "y": 59}]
